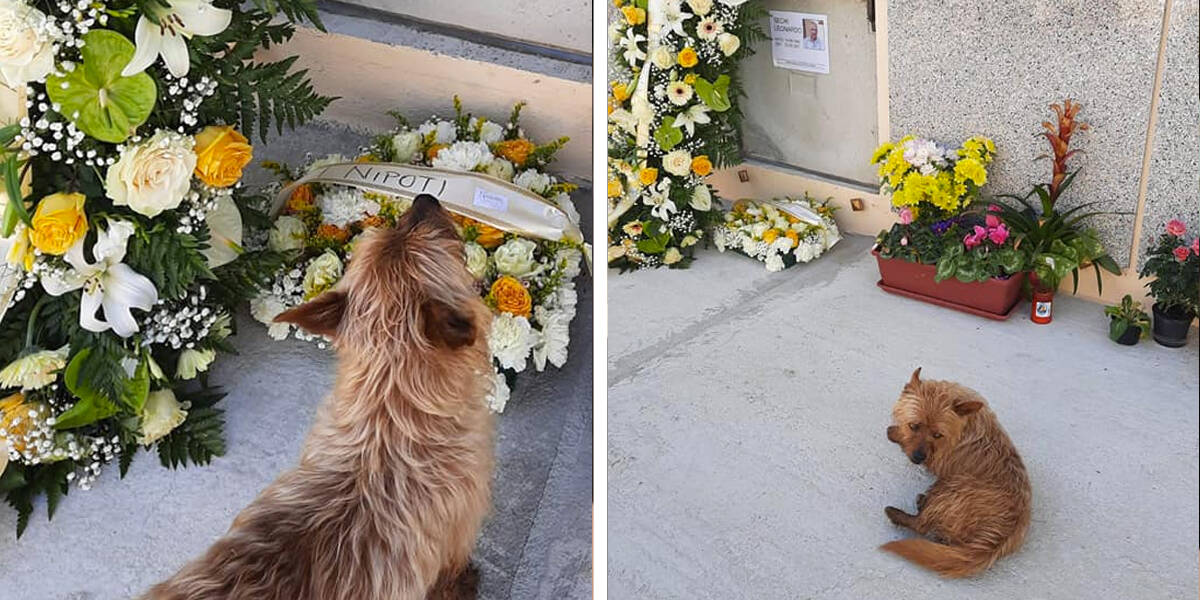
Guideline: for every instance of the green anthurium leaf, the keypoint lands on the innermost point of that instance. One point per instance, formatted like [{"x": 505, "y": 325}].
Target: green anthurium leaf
[
  {"x": 95, "y": 96},
  {"x": 714, "y": 94},
  {"x": 668, "y": 135},
  {"x": 137, "y": 388},
  {"x": 92, "y": 405}
]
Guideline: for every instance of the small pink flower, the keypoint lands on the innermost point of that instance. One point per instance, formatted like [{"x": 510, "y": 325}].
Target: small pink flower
[
  {"x": 974, "y": 239},
  {"x": 998, "y": 235},
  {"x": 993, "y": 208},
  {"x": 992, "y": 221},
  {"x": 906, "y": 215},
  {"x": 1196, "y": 246},
  {"x": 904, "y": 241},
  {"x": 1181, "y": 253},
  {"x": 1176, "y": 227}
]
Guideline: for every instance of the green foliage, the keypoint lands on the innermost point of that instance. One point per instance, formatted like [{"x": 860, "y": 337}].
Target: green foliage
[
  {"x": 1125, "y": 315},
  {"x": 200, "y": 437},
  {"x": 22, "y": 483},
  {"x": 1176, "y": 283},
  {"x": 296, "y": 11},
  {"x": 100, "y": 101},
  {"x": 172, "y": 260}
]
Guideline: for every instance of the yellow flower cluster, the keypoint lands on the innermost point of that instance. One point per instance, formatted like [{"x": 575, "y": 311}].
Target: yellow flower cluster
[{"x": 949, "y": 187}]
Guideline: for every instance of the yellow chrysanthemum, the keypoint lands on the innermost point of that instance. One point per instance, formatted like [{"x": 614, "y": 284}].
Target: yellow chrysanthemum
[
  {"x": 970, "y": 169},
  {"x": 881, "y": 152},
  {"x": 769, "y": 236}
]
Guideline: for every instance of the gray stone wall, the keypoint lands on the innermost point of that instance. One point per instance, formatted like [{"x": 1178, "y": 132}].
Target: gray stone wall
[{"x": 964, "y": 67}]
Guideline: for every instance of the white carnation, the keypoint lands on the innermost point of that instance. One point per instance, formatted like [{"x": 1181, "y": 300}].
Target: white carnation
[
  {"x": 774, "y": 263},
  {"x": 264, "y": 309},
  {"x": 463, "y": 156},
  {"x": 571, "y": 258},
  {"x": 490, "y": 133},
  {"x": 497, "y": 398},
  {"x": 511, "y": 340},
  {"x": 343, "y": 206},
  {"x": 532, "y": 180},
  {"x": 445, "y": 132},
  {"x": 160, "y": 415},
  {"x": 192, "y": 361},
  {"x": 554, "y": 338}
]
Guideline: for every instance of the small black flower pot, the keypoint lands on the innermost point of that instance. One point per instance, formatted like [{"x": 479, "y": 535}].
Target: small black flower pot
[
  {"x": 1132, "y": 334},
  {"x": 1171, "y": 327}
]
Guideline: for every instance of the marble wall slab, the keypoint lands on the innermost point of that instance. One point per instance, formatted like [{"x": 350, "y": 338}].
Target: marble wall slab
[{"x": 962, "y": 67}]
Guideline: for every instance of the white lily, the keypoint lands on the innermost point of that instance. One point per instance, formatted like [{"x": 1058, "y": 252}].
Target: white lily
[
  {"x": 630, "y": 42},
  {"x": 107, "y": 283},
  {"x": 695, "y": 115},
  {"x": 673, "y": 18},
  {"x": 177, "y": 23}
]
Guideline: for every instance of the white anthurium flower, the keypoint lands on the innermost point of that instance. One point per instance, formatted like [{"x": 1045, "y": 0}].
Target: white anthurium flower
[
  {"x": 697, "y": 114},
  {"x": 177, "y": 22},
  {"x": 225, "y": 228},
  {"x": 107, "y": 283},
  {"x": 630, "y": 42}
]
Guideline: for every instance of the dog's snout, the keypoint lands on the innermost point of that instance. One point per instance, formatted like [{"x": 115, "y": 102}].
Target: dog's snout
[{"x": 918, "y": 456}]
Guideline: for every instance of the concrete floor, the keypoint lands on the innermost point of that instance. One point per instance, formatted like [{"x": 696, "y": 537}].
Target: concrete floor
[
  {"x": 122, "y": 536},
  {"x": 747, "y": 457}
]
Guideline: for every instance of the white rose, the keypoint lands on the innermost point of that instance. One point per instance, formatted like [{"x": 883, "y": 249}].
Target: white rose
[
  {"x": 490, "y": 133},
  {"x": 324, "y": 271},
  {"x": 701, "y": 198},
  {"x": 500, "y": 169},
  {"x": 555, "y": 337},
  {"x": 287, "y": 234},
  {"x": 192, "y": 361},
  {"x": 406, "y": 145},
  {"x": 733, "y": 2},
  {"x": 264, "y": 309},
  {"x": 662, "y": 58},
  {"x": 688, "y": 240},
  {"x": 532, "y": 180},
  {"x": 515, "y": 257},
  {"x": 700, "y": 7},
  {"x": 160, "y": 415},
  {"x": 26, "y": 49},
  {"x": 774, "y": 263},
  {"x": 477, "y": 260},
  {"x": 678, "y": 162},
  {"x": 463, "y": 156},
  {"x": 728, "y": 43},
  {"x": 510, "y": 341},
  {"x": 153, "y": 175},
  {"x": 497, "y": 399},
  {"x": 615, "y": 252},
  {"x": 672, "y": 256}
]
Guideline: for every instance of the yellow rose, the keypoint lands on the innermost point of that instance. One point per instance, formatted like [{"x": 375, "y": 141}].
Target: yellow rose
[
  {"x": 620, "y": 92},
  {"x": 15, "y": 419},
  {"x": 515, "y": 151},
  {"x": 634, "y": 15},
  {"x": 614, "y": 188},
  {"x": 511, "y": 297},
  {"x": 701, "y": 165},
  {"x": 221, "y": 153},
  {"x": 58, "y": 223},
  {"x": 687, "y": 58},
  {"x": 647, "y": 176}
]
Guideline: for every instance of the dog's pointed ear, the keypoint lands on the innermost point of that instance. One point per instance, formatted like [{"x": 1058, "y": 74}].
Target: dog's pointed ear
[
  {"x": 915, "y": 380},
  {"x": 320, "y": 316},
  {"x": 967, "y": 407},
  {"x": 447, "y": 326}
]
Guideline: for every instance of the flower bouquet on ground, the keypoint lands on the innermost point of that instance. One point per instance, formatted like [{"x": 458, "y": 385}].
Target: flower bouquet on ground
[
  {"x": 121, "y": 226},
  {"x": 780, "y": 233},
  {"x": 673, "y": 118},
  {"x": 944, "y": 248},
  {"x": 480, "y": 169},
  {"x": 1175, "y": 265}
]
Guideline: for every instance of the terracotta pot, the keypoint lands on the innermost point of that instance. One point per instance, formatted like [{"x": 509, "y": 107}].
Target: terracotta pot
[
  {"x": 994, "y": 298},
  {"x": 1171, "y": 327}
]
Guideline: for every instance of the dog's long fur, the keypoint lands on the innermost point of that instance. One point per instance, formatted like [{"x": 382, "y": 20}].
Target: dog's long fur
[
  {"x": 978, "y": 509},
  {"x": 393, "y": 483}
]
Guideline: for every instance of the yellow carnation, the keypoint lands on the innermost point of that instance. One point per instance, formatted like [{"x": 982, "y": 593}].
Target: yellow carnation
[
  {"x": 221, "y": 154},
  {"x": 58, "y": 223}
]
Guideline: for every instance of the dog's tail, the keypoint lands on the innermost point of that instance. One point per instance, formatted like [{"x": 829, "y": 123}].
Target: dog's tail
[{"x": 947, "y": 561}]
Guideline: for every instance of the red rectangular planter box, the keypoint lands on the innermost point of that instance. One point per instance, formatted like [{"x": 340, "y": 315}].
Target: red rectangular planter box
[{"x": 994, "y": 298}]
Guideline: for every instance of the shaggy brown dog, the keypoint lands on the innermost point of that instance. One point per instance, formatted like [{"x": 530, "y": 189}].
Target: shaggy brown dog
[
  {"x": 393, "y": 482},
  {"x": 978, "y": 509}
]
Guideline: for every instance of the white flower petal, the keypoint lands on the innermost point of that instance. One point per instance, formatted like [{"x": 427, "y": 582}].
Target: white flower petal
[
  {"x": 110, "y": 242},
  {"x": 175, "y": 54},
  {"x": 203, "y": 18},
  {"x": 87, "y": 312},
  {"x": 149, "y": 41}
]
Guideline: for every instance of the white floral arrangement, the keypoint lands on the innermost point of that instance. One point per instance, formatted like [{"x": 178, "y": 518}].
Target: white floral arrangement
[
  {"x": 780, "y": 233},
  {"x": 528, "y": 282},
  {"x": 121, "y": 226},
  {"x": 673, "y": 119}
]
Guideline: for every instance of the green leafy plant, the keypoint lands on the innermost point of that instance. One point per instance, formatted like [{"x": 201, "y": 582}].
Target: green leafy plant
[
  {"x": 1175, "y": 266},
  {"x": 1125, "y": 315}
]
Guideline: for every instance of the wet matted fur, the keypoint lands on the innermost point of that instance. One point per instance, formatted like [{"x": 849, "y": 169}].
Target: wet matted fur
[
  {"x": 978, "y": 509},
  {"x": 394, "y": 479}
]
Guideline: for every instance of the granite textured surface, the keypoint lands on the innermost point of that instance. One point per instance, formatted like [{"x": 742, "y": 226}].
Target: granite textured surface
[
  {"x": 1173, "y": 190},
  {"x": 964, "y": 67},
  {"x": 747, "y": 456},
  {"x": 117, "y": 539}
]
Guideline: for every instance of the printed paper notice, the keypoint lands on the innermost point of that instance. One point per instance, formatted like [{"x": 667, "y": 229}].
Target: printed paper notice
[
  {"x": 800, "y": 41},
  {"x": 490, "y": 201}
]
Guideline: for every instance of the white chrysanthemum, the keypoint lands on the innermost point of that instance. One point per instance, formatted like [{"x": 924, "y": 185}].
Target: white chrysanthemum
[
  {"x": 192, "y": 362},
  {"x": 342, "y": 206},
  {"x": 515, "y": 257},
  {"x": 490, "y": 133},
  {"x": 497, "y": 398},
  {"x": 287, "y": 234},
  {"x": 511, "y": 339},
  {"x": 463, "y": 156},
  {"x": 160, "y": 415},
  {"x": 477, "y": 260},
  {"x": 34, "y": 371},
  {"x": 532, "y": 180},
  {"x": 782, "y": 244},
  {"x": 678, "y": 162},
  {"x": 445, "y": 132},
  {"x": 774, "y": 263},
  {"x": 406, "y": 145},
  {"x": 553, "y": 339},
  {"x": 264, "y": 309}
]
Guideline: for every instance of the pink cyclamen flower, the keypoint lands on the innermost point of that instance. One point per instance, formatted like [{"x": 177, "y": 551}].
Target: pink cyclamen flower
[
  {"x": 1176, "y": 227},
  {"x": 992, "y": 221},
  {"x": 904, "y": 241},
  {"x": 1196, "y": 246},
  {"x": 993, "y": 208},
  {"x": 906, "y": 215},
  {"x": 1181, "y": 253},
  {"x": 974, "y": 239},
  {"x": 998, "y": 235}
]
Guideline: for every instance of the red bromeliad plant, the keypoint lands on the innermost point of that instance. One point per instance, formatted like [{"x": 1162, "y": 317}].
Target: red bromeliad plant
[{"x": 1060, "y": 141}]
